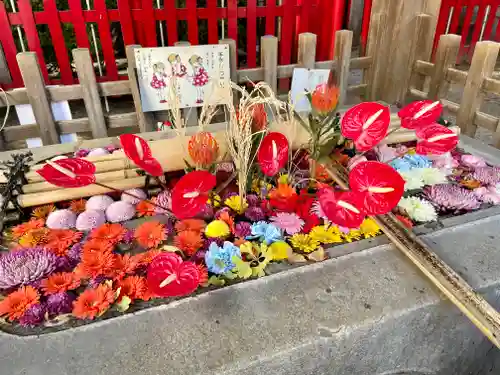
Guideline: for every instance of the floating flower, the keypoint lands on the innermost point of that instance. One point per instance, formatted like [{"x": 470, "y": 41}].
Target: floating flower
[
  {"x": 43, "y": 211},
  {"x": 61, "y": 219},
  {"x": 432, "y": 176},
  {"x": 217, "y": 228},
  {"x": 22, "y": 229},
  {"x": 290, "y": 223},
  {"x": 133, "y": 196},
  {"x": 486, "y": 175},
  {"x": 34, "y": 316},
  {"x": 472, "y": 161},
  {"x": 59, "y": 303},
  {"x": 203, "y": 149},
  {"x": 273, "y": 153},
  {"x": 150, "y": 234},
  {"x": 326, "y": 234},
  {"x": 18, "y": 302},
  {"x": 60, "y": 282},
  {"x": 452, "y": 197},
  {"x": 488, "y": 195},
  {"x": 195, "y": 225},
  {"x": 188, "y": 241},
  {"x": 94, "y": 264},
  {"x": 324, "y": 98},
  {"x": 420, "y": 114},
  {"x": 418, "y": 209},
  {"x": 99, "y": 202},
  {"x": 78, "y": 206},
  {"x": 190, "y": 193},
  {"x": 134, "y": 287},
  {"x": 145, "y": 208},
  {"x": 90, "y": 219},
  {"x": 120, "y": 211},
  {"x": 369, "y": 228},
  {"x": 219, "y": 259},
  {"x": 93, "y": 302},
  {"x": 59, "y": 240},
  {"x": 148, "y": 256},
  {"x": 112, "y": 233},
  {"x": 68, "y": 172},
  {"x": 304, "y": 242},
  {"x": 243, "y": 229},
  {"x": 237, "y": 204},
  {"x": 343, "y": 208},
  {"x": 435, "y": 139},
  {"x": 444, "y": 162},
  {"x": 265, "y": 232}
]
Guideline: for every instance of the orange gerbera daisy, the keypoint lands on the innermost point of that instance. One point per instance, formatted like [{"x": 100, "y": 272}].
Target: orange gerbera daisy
[
  {"x": 60, "y": 282},
  {"x": 77, "y": 206},
  {"x": 195, "y": 225},
  {"x": 203, "y": 273},
  {"x": 188, "y": 241},
  {"x": 134, "y": 287},
  {"x": 59, "y": 240},
  {"x": 113, "y": 233},
  {"x": 150, "y": 234},
  {"x": 228, "y": 219},
  {"x": 147, "y": 257},
  {"x": 16, "y": 303},
  {"x": 43, "y": 211},
  {"x": 93, "y": 302},
  {"x": 123, "y": 265},
  {"x": 97, "y": 246},
  {"x": 34, "y": 238},
  {"x": 145, "y": 208},
  {"x": 95, "y": 264},
  {"x": 22, "y": 229}
]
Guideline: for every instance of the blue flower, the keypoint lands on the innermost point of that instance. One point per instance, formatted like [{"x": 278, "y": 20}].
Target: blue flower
[
  {"x": 265, "y": 232},
  {"x": 219, "y": 260},
  {"x": 409, "y": 162}
]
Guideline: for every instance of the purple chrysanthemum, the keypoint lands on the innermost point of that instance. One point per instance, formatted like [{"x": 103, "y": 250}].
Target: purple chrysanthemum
[
  {"x": 169, "y": 227},
  {"x": 34, "y": 316},
  {"x": 118, "y": 212},
  {"x": 451, "y": 197},
  {"x": 206, "y": 213},
  {"x": 243, "y": 229},
  {"x": 25, "y": 266},
  {"x": 63, "y": 264},
  {"x": 95, "y": 282},
  {"x": 139, "y": 193},
  {"x": 61, "y": 219},
  {"x": 255, "y": 214},
  {"x": 128, "y": 237},
  {"x": 81, "y": 153},
  {"x": 59, "y": 303},
  {"x": 486, "y": 175},
  {"x": 209, "y": 241},
  {"x": 291, "y": 223},
  {"x": 253, "y": 200},
  {"x": 75, "y": 253}
]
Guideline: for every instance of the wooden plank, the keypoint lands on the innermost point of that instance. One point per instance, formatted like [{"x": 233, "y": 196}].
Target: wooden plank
[
  {"x": 126, "y": 23},
  {"x": 251, "y": 33},
  {"x": 33, "y": 80},
  {"x": 82, "y": 40},
  {"x": 269, "y": 60},
  {"x": 374, "y": 74},
  {"x": 307, "y": 50},
  {"x": 144, "y": 119},
  {"x": 482, "y": 65},
  {"x": 192, "y": 22},
  {"x": 91, "y": 98},
  {"x": 421, "y": 49},
  {"x": 108, "y": 50},
  {"x": 213, "y": 26},
  {"x": 343, "y": 46},
  {"x": 171, "y": 16},
  {"x": 445, "y": 57},
  {"x": 491, "y": 85},
  {"x": 4, "y": 69}
]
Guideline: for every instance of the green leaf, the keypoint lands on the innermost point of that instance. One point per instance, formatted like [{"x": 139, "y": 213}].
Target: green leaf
[
  {"x": 217, "y": 281},
  {"x": 241, "y": 268},
  {"x": 124, "y": 304},
  {"x": 230, "y": 275}
]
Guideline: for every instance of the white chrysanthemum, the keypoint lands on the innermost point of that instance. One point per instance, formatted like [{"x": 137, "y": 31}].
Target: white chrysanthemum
[
  {"x": 432, "y": 176},
  {"x": 412, "y": 180},
  {"x": 418, "y": 209}
]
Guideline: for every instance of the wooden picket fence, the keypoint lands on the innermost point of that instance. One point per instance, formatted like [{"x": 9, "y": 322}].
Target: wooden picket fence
[{"x": 102, "y": 125}]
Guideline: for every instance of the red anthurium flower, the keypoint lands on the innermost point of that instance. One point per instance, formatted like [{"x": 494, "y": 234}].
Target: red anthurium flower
[
  {"x": 273, "y": 153},
  {"x": 190, "y": 194},
  {"x": 419, "y": 114},
  {"x": 137, "y": 150},
  {"x": 366, "y": 124},
  {"x": 68, "y": 173},
  {"x": 342, "y": 207},
  {"x": 380, "y": 185},
  {"x": 435, "y": 139},
  {"x": 170, "y": 276}
]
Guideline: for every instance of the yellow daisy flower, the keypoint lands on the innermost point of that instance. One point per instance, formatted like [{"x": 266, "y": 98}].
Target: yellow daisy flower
[
  {"x": 304, "y": 242},
  {"x": 237, "y": 204},
  {"x": 369, "y": 228},
  {"x": 326, "y": 234}
]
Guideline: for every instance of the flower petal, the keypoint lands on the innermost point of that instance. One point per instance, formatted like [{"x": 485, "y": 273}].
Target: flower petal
[
  {"x": 137, "y": 150},
  {"x": 273, "y": 153},
  {"x": 342, "y": 207},
  {"x": 68, "y": 173},
  {"x": 190, "y": 193},
  {"x": 419, "y": 114},
  {"x": 435, "y": 139}
]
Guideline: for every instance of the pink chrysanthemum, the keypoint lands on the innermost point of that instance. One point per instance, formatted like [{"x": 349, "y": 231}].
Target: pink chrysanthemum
[{"x": 291, "y": 223}]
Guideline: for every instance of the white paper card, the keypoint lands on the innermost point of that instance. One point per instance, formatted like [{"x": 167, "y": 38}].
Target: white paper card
[
  {"x": 306, "y": 80},
  {"x": 195, "y": 70}
]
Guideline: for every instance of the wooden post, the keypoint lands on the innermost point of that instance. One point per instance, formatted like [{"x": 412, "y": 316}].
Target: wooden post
[
  {"x": 91, "y": 98},
  {"x": 37, "y": 96},
  {"x": 190, "y": 114},
  {"x": 4, "y": 69},
  {"x": 269, "y": 60},
  {"x": 482, "y": 66},
  {"x": 446, "y": 57},
  {"x": 422, "y": 48},
  {"x": 307, "y": 50},
  {"x": 343, "y": 46},
  {"x": 374, "y": 74},
  {"x": 145, "y": 120}
]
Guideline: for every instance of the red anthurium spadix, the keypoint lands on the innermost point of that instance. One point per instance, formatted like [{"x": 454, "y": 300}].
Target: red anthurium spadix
[
  {"x": 190, "y": 193},
  {"x": 366, "y": 124},
  {"x": 419, "y": 114},
  {"x": 273, "y": 153},
  {"x": 68, "y": 173},
  {"x": 380, "y": 186},
  {"x": 341, "y": 207},
  {"x": 137, "y": 150},
  {"x": 435, "y": 139},
  {"x": 169, "y": 276}
]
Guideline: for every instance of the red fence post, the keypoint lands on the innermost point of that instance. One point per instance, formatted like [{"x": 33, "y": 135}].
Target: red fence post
[
  {"x": 126, "y": 23},
  {"x": 252, "y": 33},
  {"x": 338, "y": 11},
  {"x": 9, "y": 47},
  {"x": 367, "y": 12}
]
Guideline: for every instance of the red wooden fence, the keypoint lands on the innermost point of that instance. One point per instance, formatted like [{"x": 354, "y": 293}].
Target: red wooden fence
[{"x": 139, "y": 20}]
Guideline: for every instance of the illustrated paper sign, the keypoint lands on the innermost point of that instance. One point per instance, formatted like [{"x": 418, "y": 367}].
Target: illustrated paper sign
[
  {"x": 194, "y": 71},
  {"x": 306, "y": 80}
]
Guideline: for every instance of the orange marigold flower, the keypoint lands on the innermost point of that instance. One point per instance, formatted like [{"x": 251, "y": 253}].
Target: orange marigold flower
[
  {"x": 203, "y": 273},
  {"x": 150, "y": 234},
  {"x": 123, "y": 265},
  {"x": 43, "y": 211},
  {"x": 134, "y": 287},
  {"x": 93, "y": 302},
  {"x": 145, "y": 208},
  {"x": 147, "y": 257},
  {"x": 22, "y": 229},
  {"x": 283, "y": 191},
  {"x": 97, "y": 246},
  {"x": 35, "y": 237},
  {"x": 95, "y": 264},
  {"x": 203, "y": 149},
  {"x": 60, "y": 282},
  {"x": 16, "y": 303},
  {"x": 113, "y": 233},
  {"x": 188, "y": 241},
  {"x": 77, "y": 206},
  {"x": 324, "y": 98},
  {"x": 196, "y": 225}
]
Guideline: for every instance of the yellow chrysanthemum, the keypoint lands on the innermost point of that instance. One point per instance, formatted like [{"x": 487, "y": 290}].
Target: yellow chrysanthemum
[
  {"x": 326, "y": 234},
  {"x": 369, "y": 228},
  {"x": 236, "y": 204},
  {"x": 304, "y": 242},
  {"x": 217, "y": 229},
  {"x": 215, "y": 200},
  {"x": 353, "y": 235},
  {"x": 279, "y": 250}
]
